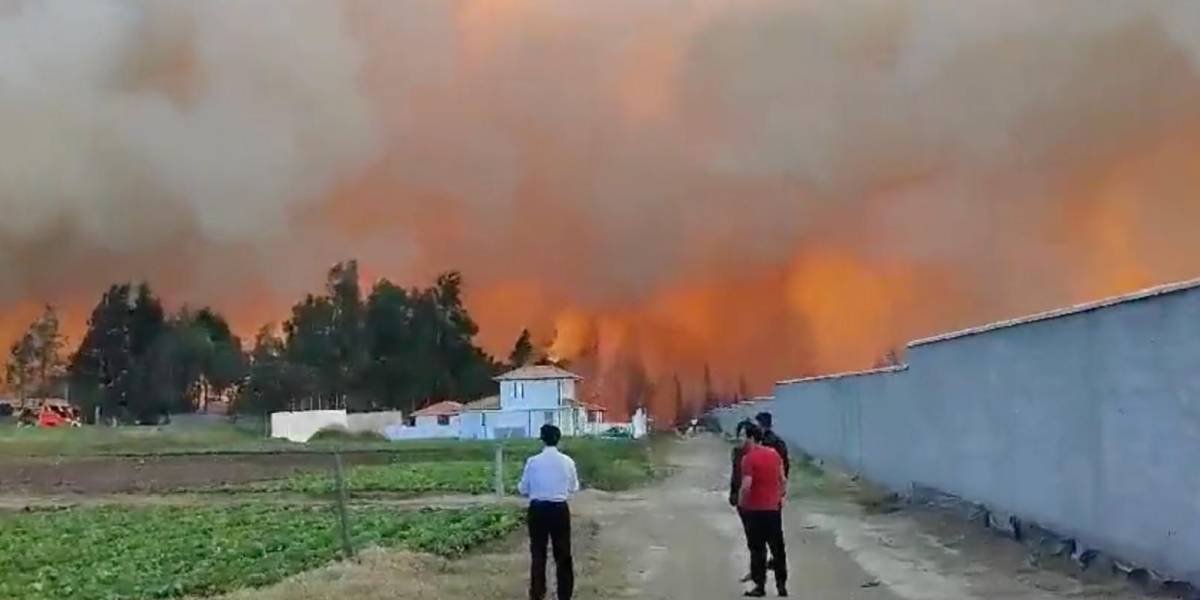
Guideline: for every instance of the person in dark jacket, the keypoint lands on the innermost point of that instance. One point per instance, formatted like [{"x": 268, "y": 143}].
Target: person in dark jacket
[
  {"x": 773, "y": 441},
  {"x": 739, "y": 450}
]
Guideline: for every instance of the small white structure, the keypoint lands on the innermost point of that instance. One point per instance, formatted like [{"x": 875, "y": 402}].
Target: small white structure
[
  {"x": 529, "y": 398},
  {"x": 439, "y": 420},
  {"x": 300, "y": 426}
]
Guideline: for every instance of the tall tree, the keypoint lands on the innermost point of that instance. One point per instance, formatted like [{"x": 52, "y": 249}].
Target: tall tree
[
  {"x": 522, "y": 352},
  {"x": 195, "y": 359},
  {"x": 347, "y": 330},
  {"x": 114, "y": 366},
  {"x": 273, "y": 383},
  {"x": 710, "y": 395},
  {"x": 101, "y": 364},
  {"x": 36, "y": 365},
  {"x": 310, "y": 346},
  {"x": 682, "y": 415},
  {"x": 391, "y": 347}
]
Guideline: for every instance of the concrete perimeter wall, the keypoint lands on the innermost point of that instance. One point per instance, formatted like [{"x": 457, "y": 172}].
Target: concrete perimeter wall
[
  {"x": 373, "y": 422},
  {"x": 1086, "y": 422},
  {"x": 302, "y": 425}
]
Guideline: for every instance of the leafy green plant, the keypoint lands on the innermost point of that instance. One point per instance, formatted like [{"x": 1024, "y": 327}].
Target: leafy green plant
[{"x": 165, "y": 552}]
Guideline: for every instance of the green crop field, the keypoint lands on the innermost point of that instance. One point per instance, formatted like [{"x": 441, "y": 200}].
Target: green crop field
[
  {"x": 470, "y": 469},
  {"x": 465, "y": 477},
  {"x": 167, "y": 552}
]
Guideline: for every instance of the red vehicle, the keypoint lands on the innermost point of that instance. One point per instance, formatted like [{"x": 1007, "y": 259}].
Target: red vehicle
[{"x": 54, "y": 415}]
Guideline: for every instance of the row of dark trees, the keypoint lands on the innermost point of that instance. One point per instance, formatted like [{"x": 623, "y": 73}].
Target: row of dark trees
[
  {"x": 138, "y": 363},
  {"x": 395, "y": 347}
]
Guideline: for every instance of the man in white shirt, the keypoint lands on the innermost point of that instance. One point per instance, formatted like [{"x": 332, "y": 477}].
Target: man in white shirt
[{"x": 548, "y": 481}]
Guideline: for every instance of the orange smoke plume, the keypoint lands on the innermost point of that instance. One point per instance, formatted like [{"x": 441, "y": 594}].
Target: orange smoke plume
[{"x": 754, "y": 189}]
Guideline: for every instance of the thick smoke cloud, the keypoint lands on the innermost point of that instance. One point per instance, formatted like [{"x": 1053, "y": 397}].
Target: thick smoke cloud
[
  {"x": 773, "y": 187},
  {"x": 137, "y": 130}
]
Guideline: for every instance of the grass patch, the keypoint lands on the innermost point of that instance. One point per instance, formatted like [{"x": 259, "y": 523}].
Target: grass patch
[
  {"x": 137, "y": 440},
  {"x": 807, "y": 477},
  {"x": 167, "y": 552}
]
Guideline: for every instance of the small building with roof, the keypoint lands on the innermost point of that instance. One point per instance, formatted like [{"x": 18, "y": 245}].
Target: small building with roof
[{"x": 530, "y": 397}]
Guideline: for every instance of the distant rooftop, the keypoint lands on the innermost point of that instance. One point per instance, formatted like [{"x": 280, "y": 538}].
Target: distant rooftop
[
  {"x": 440, "y": 409},
  {"x": 489, "y": 403},
  {"x": 537, "y": 372},
  {"x": 1152, "y": 292},
  {"x": 588, "y": 406}
]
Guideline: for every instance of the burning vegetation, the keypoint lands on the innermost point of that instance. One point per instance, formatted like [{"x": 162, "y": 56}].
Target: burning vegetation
[{"x": 656, "y": 190}]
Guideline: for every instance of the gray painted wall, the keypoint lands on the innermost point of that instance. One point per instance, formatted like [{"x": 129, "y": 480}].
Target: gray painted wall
[{"x": 1087, "y": 423}]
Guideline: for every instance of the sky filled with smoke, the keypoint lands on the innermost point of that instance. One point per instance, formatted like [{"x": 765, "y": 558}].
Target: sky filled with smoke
[{"x": 774, "y": 187}]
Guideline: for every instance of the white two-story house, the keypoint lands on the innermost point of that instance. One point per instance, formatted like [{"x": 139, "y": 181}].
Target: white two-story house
[{"x": 529, "y": 398}]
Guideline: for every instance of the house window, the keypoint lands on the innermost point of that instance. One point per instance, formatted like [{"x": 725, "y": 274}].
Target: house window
[
  {"x": 443, "y": 419},
  {"x": 549, "y": 416},
  {"x": 412, "y": 422},
  {"x": 483, "y": 420},
  {"x": 520, "y": 393}
]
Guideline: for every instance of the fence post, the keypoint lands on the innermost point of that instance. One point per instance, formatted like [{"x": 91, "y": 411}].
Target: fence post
[
  {"x": 340, "y": 477},
  {"x": 500, "y": 470}
]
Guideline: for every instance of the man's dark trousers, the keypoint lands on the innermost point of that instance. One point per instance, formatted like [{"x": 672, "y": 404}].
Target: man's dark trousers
[
  {"x": 743, "y": 515},
  {"x": 765, "y": 529},
  {"x": 550, "y": 521}
]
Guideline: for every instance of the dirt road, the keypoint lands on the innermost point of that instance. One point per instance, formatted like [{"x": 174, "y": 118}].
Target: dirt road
[{"x": 682, "y": 540}]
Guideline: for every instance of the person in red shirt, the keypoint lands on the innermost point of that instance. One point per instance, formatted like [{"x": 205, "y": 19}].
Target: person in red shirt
[{"x": 760, "y": 498}]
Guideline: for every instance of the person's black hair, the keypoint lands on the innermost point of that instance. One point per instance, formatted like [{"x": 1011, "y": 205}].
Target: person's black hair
[
  {"x": 550, "y": 435},
  {"x": 764, "y": 419},
  {"x": 754, "y": 432}
]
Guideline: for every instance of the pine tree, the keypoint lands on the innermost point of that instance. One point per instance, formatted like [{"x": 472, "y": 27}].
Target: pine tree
[
  {"x": 36, "y": 365},
  {"x": 681, "y": 413},
  {"x": 522, "y": 352}
]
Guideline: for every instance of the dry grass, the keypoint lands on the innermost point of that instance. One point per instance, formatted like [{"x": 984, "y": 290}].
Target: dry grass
[
  {"x": 380, "y": 574},
  {"x": 499, "y": 571}
]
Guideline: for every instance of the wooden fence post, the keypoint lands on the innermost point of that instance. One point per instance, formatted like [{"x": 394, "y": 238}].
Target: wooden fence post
[
  {"x": 340, "y": 476},
  {"x": 500, "y": 470}
]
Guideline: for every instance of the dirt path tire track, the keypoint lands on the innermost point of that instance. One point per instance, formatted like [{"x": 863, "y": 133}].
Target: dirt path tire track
[{"x": 681, "y": 540}]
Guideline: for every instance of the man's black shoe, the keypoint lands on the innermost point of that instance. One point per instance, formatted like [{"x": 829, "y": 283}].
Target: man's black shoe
[
  {"x": 782, "y": 591},
  {"x": 755, "y": 593}
]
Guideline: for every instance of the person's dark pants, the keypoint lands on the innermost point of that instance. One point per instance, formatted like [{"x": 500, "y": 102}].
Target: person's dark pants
[
  {"x": 550, "y": 521},
  {"x": 744, "y": 516},
  {"x": 766, "y": 531}
]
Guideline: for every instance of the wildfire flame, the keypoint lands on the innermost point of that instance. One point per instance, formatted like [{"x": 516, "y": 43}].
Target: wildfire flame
[{"x": 658, "y": 190}]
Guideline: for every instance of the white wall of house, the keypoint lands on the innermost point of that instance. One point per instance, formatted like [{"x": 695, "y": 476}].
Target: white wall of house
[
  {"x": 496, "y": 424},
  {"x": 426, "y": 428},
  {"x": 535, "y": 393}
]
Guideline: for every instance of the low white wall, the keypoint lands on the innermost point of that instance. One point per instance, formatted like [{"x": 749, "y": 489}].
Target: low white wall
[
  {"x": 375, "y": 422},
  {"x": 300, "y": 426}
]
